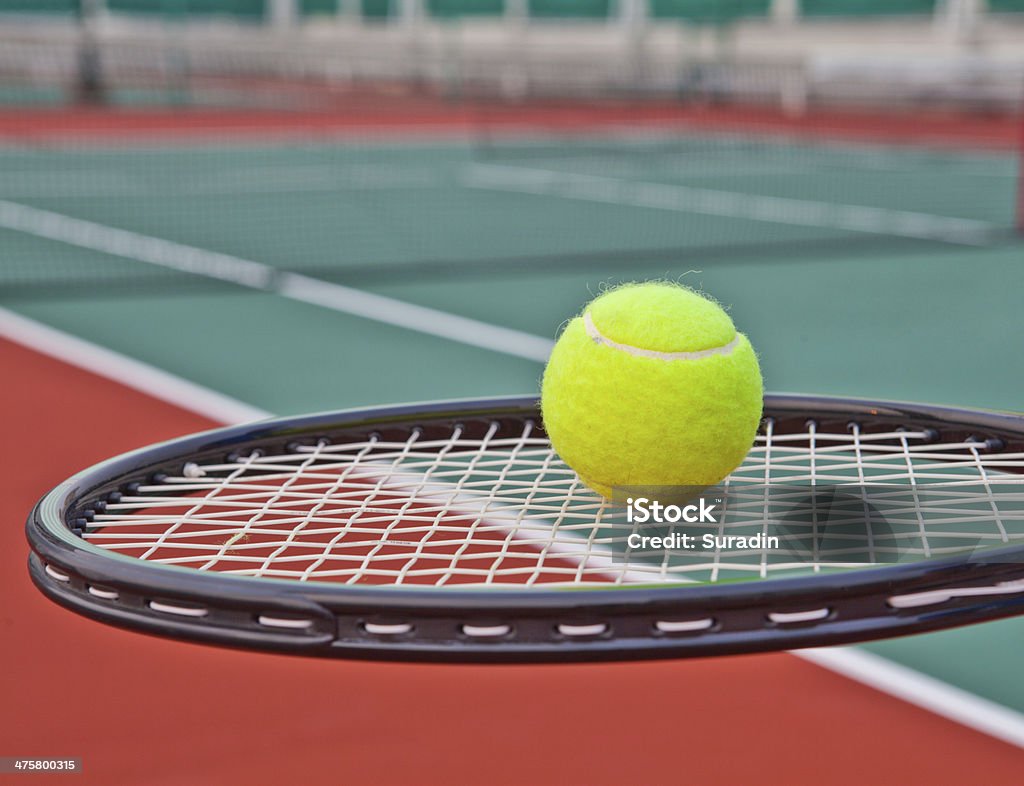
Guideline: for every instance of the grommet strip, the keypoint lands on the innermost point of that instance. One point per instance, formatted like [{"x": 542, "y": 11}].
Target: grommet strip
[
  {"x": 684, "y": 626},
  {"x": 792, "y": 617},
  {"x": 181, "y": 611}
]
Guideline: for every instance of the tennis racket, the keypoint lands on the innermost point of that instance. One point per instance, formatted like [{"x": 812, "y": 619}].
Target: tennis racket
[{"x": 452, "y": 532}]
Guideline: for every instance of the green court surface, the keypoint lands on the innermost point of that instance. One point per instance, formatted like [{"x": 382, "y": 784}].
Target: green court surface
[{"x": 856, "y": 270}]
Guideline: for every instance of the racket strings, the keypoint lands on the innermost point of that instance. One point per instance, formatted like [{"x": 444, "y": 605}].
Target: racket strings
[{"x": 501, "y": 508}]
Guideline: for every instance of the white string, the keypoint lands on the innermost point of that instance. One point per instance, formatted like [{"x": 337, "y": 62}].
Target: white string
[
  {"x": 769, "y": 432},
  {"x": 913, "y": 488},
  {"x": 865, "y": 506},
  {"x": 500, "y": 508},
  {"x": 994, "y": 507},
  {"x": 815, "y": 556}
]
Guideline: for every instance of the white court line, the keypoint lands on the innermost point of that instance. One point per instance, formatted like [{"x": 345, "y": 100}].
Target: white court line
[
  {"x": 737, "y": 167},
  {"x": 906, "y": 684},
  {"x": 746, "y": 146},
  {"x": 536, "y": 534},
  {"x": 730, "y": 204},
  {"x": 256, "y": 275},
  {"x": 126, "y": 371},
  {"x": 74, "y": 189},
  {"x": 220, "y": 180},
  {"x": 921, "y": 690}
]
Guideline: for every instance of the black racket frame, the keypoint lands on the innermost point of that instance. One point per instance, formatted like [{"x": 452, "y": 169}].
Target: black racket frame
[{"x": 325, "y": 619}]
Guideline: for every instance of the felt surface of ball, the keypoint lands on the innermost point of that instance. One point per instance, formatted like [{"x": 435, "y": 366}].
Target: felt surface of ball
[{"x": 652, "y": 387}]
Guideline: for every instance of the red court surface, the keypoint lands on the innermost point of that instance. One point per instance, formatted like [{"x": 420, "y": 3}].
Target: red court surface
[
  {"x": 144, "y": 710},
  {"x": 402, "y": 116}
]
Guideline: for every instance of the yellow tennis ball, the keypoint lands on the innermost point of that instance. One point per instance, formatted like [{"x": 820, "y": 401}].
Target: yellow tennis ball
[{"x": 652, "y": 386}]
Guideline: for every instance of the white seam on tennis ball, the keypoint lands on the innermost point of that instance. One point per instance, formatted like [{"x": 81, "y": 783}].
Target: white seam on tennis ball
[{"x": 595, "y": 334}]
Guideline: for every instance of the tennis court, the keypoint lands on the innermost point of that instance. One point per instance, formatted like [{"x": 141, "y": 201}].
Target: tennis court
[{"x": 210, "y": 268}]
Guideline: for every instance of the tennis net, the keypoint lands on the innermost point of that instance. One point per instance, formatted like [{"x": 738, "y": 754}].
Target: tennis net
[{"x": 353, "y": 168}]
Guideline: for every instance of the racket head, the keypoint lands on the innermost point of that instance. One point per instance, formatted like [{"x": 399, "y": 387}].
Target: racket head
[{"x": 499, "y": 621}]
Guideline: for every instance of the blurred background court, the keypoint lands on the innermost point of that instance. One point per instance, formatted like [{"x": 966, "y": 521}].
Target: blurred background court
[{"x": 212, "y": 210}]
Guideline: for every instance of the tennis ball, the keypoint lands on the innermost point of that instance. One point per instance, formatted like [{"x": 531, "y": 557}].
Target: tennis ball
[{"x": 653, "y": 387}]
